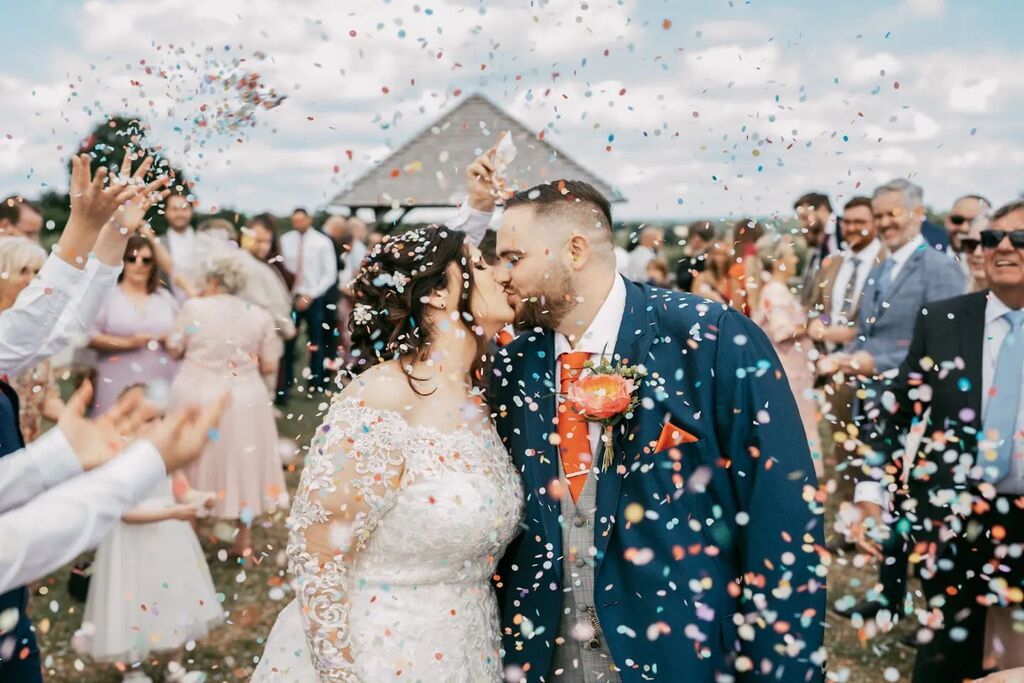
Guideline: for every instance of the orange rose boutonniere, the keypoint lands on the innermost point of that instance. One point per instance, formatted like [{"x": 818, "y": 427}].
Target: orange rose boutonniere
[{"x": 606, "y": 393}]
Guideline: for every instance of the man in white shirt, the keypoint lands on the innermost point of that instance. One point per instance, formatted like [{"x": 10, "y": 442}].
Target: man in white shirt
[
  {"x": 309, "y": 254},
  {"x": 181, "y": 259},
  {"x": 648, "y": 246},
  {"x": 963, "y": 375}
]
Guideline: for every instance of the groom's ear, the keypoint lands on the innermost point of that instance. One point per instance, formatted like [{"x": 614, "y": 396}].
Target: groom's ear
[{"x": 579, "y": 251}]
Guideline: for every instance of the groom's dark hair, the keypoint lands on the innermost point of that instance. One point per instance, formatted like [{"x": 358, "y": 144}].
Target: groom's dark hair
[{"x": 550, "y": 198}]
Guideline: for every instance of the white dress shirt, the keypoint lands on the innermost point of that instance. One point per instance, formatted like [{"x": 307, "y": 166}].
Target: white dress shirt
[
  {"x": 866, "y": 259},
  {"x": 57, "y": 525},
  {"x": 319, "y": 272},
  {"x": 599, "y": 340},
  {"x": 996, "y": 329},
  {"x": 473, "y": 222},
  {"x": 182, "y": 247},
  {"x": 56, "y": 308},
  {"x": 38, "y": 466},
  {"x": 636, "y": 270}
]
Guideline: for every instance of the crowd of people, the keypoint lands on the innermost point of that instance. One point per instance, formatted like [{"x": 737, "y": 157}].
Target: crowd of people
[{"x": 899, "y": 339}]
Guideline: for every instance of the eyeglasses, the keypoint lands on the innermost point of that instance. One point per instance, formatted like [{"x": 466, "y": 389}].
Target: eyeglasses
[
  {"x": 141, "y": 260},
  {"x": 990, "y": 239},
  {"x": 957, "y": 219},
  {"x": 854, "y": 222},
  {"x": 968, "y": 245}
]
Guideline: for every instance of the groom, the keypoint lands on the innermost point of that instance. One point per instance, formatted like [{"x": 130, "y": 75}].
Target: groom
[{"x": 695, "y": 556}]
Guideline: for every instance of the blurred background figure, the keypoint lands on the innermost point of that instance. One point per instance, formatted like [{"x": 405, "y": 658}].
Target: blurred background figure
[
  {"x": 778, "y": 311},
  {"x": 958, "y": 223},
  {"x": 131, "y": 330},
  {"x": 713, "y": 281},
  {"x": 970, "y": 252},
  {"x": 700, "y": 235},
  {"x": 20, "y": 217},
  {"x": 266, "y": 246},
  {"x": 657, "y": 273},
  {"x": 38, "y": 394},
  {"x": 229, "y": 344},
  {"x": 814, "y": 211},
  {"x": 309, "y": 254},
  {"x": 745, "y": 266},
  {"x": 649, "y": 243},
  {"x": 181, "y": 259}
]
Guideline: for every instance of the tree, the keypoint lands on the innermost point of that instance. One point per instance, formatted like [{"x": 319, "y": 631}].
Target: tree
[{"x": 106, "y": 147}]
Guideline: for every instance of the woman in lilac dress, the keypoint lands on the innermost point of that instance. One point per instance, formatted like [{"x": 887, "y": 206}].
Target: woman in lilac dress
[{"x": 130, "y": 331}]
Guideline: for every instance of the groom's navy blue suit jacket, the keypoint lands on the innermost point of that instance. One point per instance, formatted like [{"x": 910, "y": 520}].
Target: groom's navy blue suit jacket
[{"x": 730, "y": 525}]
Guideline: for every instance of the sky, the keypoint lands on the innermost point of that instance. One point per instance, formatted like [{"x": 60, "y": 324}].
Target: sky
[{"x": 695, "y": 108}]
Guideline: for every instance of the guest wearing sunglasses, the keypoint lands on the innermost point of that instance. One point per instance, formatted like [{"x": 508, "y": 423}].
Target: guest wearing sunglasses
[
  {"x": 964, "y": 375},
  {"x": 958, "y": 223},
  {"x": 971, "y": 253},
  {"x": 130, "y": 330}
]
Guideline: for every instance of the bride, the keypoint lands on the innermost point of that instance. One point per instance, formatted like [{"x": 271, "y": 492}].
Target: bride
[{"x": 408, "y": 497}]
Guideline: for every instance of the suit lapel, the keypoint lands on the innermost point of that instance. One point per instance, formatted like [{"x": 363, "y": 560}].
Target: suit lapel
[
  {"x": 972, "y": 346},
  {"x": 541, "y": 465},
  {"x": 636, "y": 334}
]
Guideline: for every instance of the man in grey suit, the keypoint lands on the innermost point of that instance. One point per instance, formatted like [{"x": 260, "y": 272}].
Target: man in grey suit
[{"x": 913, "y": 276}]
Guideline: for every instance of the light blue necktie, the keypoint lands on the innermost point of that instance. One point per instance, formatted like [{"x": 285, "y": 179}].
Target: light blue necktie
[
  {"x": 1004, "y": 402},
  {"x": 884, "y": 282}
]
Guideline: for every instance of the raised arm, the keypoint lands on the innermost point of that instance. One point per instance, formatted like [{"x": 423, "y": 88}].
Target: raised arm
[
  {"x": 782, "y": 595},
  {"x": 350, "y": 481}
]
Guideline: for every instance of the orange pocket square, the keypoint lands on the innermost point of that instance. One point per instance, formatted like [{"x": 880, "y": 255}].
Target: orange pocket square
[{"x": 673, "y": 436}]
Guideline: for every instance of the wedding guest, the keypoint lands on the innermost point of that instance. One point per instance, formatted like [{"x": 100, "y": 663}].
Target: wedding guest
[
  {"x": 153, "y": 560},
  {"x": 649, "y": 243},
  {"x": 19, "y": 216},
  {"x": 832, "y": 309},
  {"x": 971, "y": 253},
  {"x": 814, "y": 211},
  {"x": 780, "y": 314},
  {"x": 182, "y": 259},
  {"x": 744, "y": 265},
  {"x": 266, "y": 246},
  {"x": 657, "y": 273},
  {"x": 958, "y": 223},
  {"x": 963, "y": 374},
  {"x": 699, "y": 238},
  {"x": 713, "y": 282},
  {"x": 130, "y": 330},
  {"x": 20, "y": 261},
  {"x": 228, "y": 344},
  {"x": 309, "y": 254},
  {"x": 912, "y": 276}
]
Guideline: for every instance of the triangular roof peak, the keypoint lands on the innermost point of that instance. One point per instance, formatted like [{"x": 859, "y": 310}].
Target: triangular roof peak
[{"x": 428, "y": 169}]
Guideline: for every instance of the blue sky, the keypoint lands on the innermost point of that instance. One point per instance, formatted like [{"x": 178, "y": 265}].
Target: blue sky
[{"x": 716, "y": 108}]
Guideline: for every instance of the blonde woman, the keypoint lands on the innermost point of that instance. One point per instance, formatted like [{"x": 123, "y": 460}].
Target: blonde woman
[
  {"x": 778, "y": 311},
  {"x": 38, "y": 396},
  {"x": 229, "y": 344}
]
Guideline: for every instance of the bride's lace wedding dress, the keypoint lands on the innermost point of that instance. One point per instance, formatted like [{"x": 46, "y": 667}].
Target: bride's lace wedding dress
[{"x": 394, "y": 535}]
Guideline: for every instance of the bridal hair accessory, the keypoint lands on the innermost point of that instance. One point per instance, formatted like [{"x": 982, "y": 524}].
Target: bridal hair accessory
[{"x": 606, "y": 393}]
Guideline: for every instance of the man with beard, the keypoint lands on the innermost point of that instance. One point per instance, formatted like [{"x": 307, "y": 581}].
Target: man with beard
[{"x": 687, "y": 550}]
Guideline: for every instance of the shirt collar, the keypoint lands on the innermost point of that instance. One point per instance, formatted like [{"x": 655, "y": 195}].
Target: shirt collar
[
  {"x": 603, "y": 331},
  {"x": 903, "y": 254},
  {"x": 995, "y": 308},
  {"x": 866, "y": 255}
]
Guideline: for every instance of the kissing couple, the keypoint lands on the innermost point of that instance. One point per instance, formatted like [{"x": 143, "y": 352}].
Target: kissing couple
[{"x": 623, "y": 492}]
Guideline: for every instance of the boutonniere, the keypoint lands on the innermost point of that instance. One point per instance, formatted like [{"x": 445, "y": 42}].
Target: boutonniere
[{"x": 606, "y": 393}]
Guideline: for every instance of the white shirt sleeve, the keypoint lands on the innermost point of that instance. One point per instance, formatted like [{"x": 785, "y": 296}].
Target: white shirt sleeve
[
  {"x": 41, "y": 465},
  {"x": 871, "y": 492},
  {"x": 55, "y": 527},
  {"x": 57, "y": 306},
  {"x": 470, "y": 221}
]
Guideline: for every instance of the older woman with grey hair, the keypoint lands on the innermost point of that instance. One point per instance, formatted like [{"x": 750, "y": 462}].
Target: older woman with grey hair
[{"x": 230, "y": 344}]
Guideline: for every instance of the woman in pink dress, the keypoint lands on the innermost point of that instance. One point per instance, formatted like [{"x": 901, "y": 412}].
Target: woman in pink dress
[
  {"x": 130, "y": 330},
  {"x": 229, "y": 344},
  {"x": 778, "y": 312}
]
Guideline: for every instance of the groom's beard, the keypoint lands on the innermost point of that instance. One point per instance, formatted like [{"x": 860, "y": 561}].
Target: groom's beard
[{"x": 546, "y": 308}]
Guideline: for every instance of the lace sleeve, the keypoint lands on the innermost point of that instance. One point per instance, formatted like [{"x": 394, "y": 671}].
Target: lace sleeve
[{"x": 350, "y": 481}]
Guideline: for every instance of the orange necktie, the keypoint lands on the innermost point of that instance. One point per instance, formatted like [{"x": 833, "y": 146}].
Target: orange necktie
[{"x": 574, "y": 440}]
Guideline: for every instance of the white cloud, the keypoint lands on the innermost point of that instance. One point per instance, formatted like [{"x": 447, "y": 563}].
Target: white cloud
[
  {"x": 973, "y": 96},
  {"x": 933, "y": 9}
]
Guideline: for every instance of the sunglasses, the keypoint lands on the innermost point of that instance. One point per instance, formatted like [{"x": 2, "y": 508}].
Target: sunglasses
[
  {"x": 990, "y": 239},
  {"x": 957, "y": 219},
  {"x": 968, "y": 245},
  {"x": 141, "y": 260}
]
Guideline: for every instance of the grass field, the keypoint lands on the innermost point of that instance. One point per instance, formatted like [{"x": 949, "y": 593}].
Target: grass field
[{"x": 230, "y": 653}]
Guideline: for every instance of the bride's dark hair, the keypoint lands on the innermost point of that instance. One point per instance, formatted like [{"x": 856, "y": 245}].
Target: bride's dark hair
[{"x": 389, "y": 293}]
